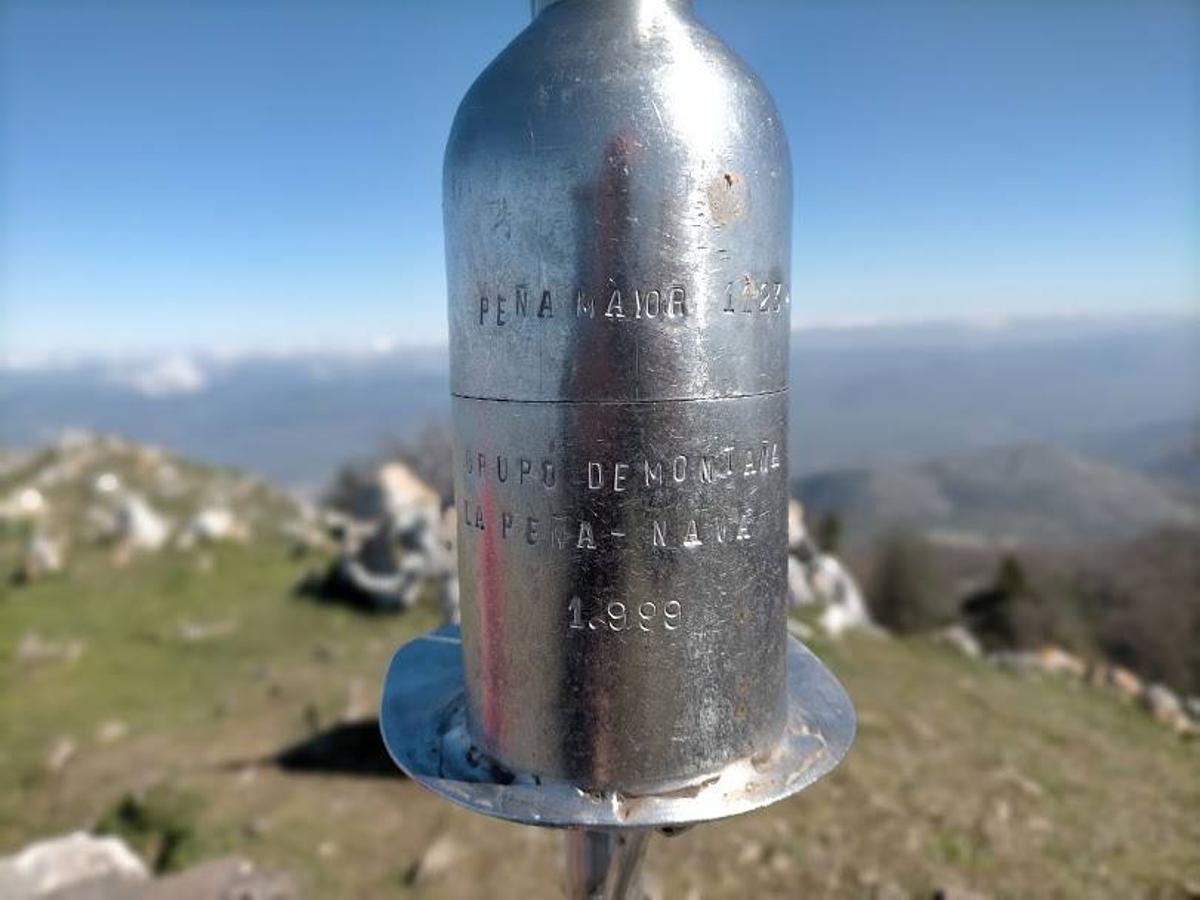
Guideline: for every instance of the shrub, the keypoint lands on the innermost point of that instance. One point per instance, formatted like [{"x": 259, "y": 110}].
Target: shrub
[
  {"x": 159, "y": 824},
  {"x": 903, "y": 594}
]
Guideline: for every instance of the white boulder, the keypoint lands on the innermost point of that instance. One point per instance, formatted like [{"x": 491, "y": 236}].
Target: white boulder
[
  {"x": 23, "y": 504},
  {"x": 72, "y": 860},
  {"x": 821, "y": 580},
  {"x": 961, "y": 639},
  {"x": 403, "y": 496},
  {"x": 845, "y": 608},
  {"x": 797, "y": 533},
  {"x": 217, "y": 524},
  {"x": 139, "y": 527},
  {"x": 43, "y": 556},
  {"x": 800, "y": 592},
  {"x": 108, "y": 483}
]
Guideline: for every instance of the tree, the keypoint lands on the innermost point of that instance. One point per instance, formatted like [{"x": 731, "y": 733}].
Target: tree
[
  {"x": 903, "y": 595},
  {"x": 1008, "y": 613},
  {"x": 829, "y": 533}
]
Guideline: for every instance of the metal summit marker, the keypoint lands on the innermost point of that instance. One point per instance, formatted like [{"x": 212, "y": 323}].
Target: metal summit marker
[{"x": 617, "y": 212}]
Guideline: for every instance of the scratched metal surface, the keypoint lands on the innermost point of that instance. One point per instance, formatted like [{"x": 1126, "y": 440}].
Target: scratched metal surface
[
  {"x": 617, "y": 206},
  {"x": 618, "y": 213},
  {"x": 617, "y": 195},
  {"x": 423, "y": 721},
  {"x": 623, "y": 581}
]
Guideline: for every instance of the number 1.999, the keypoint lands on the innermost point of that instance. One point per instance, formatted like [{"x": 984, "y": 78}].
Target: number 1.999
[{"x": 649, "y": 615}]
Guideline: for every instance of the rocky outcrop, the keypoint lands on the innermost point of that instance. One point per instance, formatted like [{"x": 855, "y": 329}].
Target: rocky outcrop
[
  {"x": 820, "y": 581},
  {"x": 90, "y": 490},
  {"x": 139, "y": 526},
  {"x": 396, "y": 545},
  {"x": 214, "y": 525},
  {"x": 1180, "y": 715},
  {"x": 26, "y": 504},
  {"x": 60, "y": 865},
  {"x": 1167, "y": 708},
  {"x": 44, "y": 555},
  {"x": 961, "y": 639},
  {"x": 81, "y": 866}
]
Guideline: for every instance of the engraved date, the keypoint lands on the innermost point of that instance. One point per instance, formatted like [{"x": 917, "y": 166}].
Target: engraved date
[{"x": 647, "y": 616}]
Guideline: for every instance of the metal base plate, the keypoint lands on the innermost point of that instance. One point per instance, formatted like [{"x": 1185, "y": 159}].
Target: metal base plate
[{"x": 424, "y": 725}]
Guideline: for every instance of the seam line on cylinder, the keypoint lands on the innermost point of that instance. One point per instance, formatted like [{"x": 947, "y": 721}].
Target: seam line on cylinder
[{"x": 631, "y": 401}]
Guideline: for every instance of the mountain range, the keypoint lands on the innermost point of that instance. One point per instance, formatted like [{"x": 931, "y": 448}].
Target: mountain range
[
  {"x": 882, "y": 397},
  {"x": 1026, "y": 493}
]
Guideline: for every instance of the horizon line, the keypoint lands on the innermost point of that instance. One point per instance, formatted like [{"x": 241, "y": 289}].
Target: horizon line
[{"x": 387, "y": 345}]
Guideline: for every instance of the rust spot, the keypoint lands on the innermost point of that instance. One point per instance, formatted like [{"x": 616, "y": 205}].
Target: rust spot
[{"x": 728, "y": 198}]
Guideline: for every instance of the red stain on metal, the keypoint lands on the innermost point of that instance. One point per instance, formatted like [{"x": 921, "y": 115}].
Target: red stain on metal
[{"x": 493, "y": 666}]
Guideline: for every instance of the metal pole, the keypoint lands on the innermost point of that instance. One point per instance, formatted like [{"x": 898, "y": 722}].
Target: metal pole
[
  {"x": 604, "y": 865},
  {"x": 617, "y": 198}
]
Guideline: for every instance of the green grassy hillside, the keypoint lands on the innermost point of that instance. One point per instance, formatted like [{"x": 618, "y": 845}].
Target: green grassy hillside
[{"x": 194, "y": 669}]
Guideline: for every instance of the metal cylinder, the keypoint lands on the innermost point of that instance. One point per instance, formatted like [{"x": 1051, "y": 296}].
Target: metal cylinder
[{"x": 617, "y": 211}]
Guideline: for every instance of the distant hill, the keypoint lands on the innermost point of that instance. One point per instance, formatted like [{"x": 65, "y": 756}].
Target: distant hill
[
  {"x": 871, "y": 396},
  {"x": 1170, "y": 451},
  {"x": 111, "y": 495},
  {"x": 294, "y": 420},
  {"x": 1027, "y": 493}
]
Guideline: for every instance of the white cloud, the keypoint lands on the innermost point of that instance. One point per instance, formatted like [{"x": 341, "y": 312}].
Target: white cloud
[{"x": 171, "y": 375}]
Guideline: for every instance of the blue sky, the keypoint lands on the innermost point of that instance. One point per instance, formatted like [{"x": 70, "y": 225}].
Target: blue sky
[{"x": 263, "y": 175}]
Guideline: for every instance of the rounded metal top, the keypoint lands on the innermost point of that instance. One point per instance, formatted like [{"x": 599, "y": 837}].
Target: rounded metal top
[
  {"x": 618, "y": 215},
  {"x": 536, "y": 6},
  {"x": 423, "y": 721}
]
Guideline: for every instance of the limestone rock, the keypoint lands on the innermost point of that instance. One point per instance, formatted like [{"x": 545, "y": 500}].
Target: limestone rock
[
  {"x": 799, "y": 592},
  {"x": 1119, "y": 679},
  {"x": 1058, "y": 661},
  {"x": 392, "y": 491},
  {"x": 1192, "y": 705},
  {"x": 33, "y": 649},
  {"x": 1165, "y": 706},
  {"x": 61, "y": 752},
  {"x": 43, "y": 556},
  {"x": 139, "y": 527},
  {"x": 438, "y": 859},
  {"x": 216, "y": 524},
  {"x": 107, "y": 483},
  {"x": 23, "y": 505},
  {"x": 1161, "y": 702},
  {"x": 110, "y": 731},
  {"x": 845, "y": 608},
  {"x": 961, "y": 639},
  {"x": 404, "y": 494},
  {"x": 821, "y": 580},
  {"x": 53, "y": 866},
  {"x": 797, "y": 533},
  {"x": 1021, "y": 661},
  {"x": 389, "y": 560}
]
